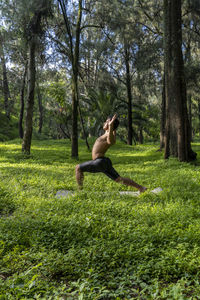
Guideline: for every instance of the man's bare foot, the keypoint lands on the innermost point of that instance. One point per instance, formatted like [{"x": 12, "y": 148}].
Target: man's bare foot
[{"x": 142, "y": 189}]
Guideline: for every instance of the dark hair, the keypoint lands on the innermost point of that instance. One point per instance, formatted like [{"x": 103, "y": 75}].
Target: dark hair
[{"x": 115, "y": 124}]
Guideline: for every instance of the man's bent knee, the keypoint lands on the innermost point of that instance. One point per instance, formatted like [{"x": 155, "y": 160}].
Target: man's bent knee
[{"x": 78, "y": 169}]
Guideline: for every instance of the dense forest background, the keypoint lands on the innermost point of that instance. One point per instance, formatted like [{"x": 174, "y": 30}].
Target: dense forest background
[{"x": 66, "y": 65}]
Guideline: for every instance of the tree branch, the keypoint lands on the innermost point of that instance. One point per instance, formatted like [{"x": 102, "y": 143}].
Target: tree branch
[
  {"x": 148, "y": 16},
  {"x": 90, "y": 26},
  {"x": 67, "y": 25},
  {"x": 150, "y": 29}
]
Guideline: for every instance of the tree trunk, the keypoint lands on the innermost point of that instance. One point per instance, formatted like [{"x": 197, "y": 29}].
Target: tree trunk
[
  {"x": 129, "y": 93},
  {"x": 75, "y": 67},
  {"x": 177, "y": 130},
  {"x": 21, "y": 115},
  {"x": 26, "y": 145},
  {"x": 199, "y": 115},
  {"x": 189, "y": 96},
  {"x": 74, "y": 57},
  {"x": 83, "y": 128},
  {"x": 6, "y": 91},
  {"x": 167, "y": 57},
  {"x": 65, "y": 134},
  {"x": 178, "y": 81},
  {"x": 163, "y": 117},
  {"x": 74, "y": 149},
  {"x": 189, "y": 101},
  {"x": 141, "y": 137},
  {"x": 40, "y": 106}
]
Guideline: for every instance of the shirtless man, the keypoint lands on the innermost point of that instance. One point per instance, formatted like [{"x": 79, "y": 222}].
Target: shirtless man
[{"x": 99, "y": 162}]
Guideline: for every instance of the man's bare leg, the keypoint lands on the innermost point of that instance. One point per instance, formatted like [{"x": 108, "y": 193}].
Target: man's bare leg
[
  {"x": 79, "y": 177},
  {"x": 130, "y": 182}
]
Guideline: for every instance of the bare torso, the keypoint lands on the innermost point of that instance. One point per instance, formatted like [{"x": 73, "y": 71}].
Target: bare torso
[{"x": 100, "y": 146}]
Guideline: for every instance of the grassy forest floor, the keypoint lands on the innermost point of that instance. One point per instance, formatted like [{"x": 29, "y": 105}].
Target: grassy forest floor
[{"x": 98, "y": 244}]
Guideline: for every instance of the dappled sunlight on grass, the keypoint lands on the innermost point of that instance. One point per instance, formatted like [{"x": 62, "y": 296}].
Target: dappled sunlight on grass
[{"x": 97, "y": 239}]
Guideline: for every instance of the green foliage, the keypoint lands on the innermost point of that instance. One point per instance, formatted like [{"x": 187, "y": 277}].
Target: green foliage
[
  {"x": 100, "y": 105},
  {"x": 57, "y": 91},
  {"x": 97, "y": 244},
  {"x": 8, "y": 128}
]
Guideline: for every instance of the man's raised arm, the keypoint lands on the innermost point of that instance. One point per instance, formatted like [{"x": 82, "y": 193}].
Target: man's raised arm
[{"x": 111, "y": 139}]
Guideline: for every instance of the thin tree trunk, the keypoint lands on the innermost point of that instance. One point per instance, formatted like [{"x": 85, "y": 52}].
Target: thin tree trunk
[
  {"x": 74, "y": 149},
  {"x": 40, "y": 106},
  {"x": 26, "y": 145},
  {"x": 189, "y": 101},
  {"x": 167, "y": 77},
  {"x": 83, "y": 128},
  {"x": 75, "y": 67},
  {"x": 199, "y": 115},
  {"x": 141, "y": 137},
  {"x": 21, "y": 115},
  {"x": 129, "y": 93},
  {"x": 74, "y": 56},
  {"x": 6, "y": 91},
  {"x": 66, "y": 134},
  {"x": 189, "y": 96},
  {"x": 163, "y": 117}
]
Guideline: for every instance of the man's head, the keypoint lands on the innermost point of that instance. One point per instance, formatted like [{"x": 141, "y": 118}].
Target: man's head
[{"x": 115, "y": 123}]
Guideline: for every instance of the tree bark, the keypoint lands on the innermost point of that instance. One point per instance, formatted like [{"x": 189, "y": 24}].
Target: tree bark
[
  {"x": 199, "y": 115},
  {"x": 74, "y": 57},
  {"x": 75, "y": 67},
  {"x": 21, "y": 115},
  {"x": 163, "y": 117},
  {"x": 177, "y": 128},
  {"x": 74, "y": 149},
  {"x": 83, "y": 128},
  {"x": 33, "y": 31},
  {"x": 189, "y": 101},
  {"x": 40, "y": 106},
  {"x": 189, "y": 96},
  {"x": 129, "y": 93},
  {"x": 167, "y": 59},
  {"x": 26, "y": 145},
  {"x": 6, "y": 91}
]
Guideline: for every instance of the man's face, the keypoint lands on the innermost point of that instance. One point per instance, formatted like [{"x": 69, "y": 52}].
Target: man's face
[{"x": 105, "y": 125}]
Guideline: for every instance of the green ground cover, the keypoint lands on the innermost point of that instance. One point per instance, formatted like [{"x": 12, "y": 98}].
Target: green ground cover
[
  {"x": 97, "y": 245},
  {"x": 8, "y": 129}
]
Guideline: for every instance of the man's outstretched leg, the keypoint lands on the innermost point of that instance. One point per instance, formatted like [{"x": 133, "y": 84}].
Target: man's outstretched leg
[
  {"x": 79, "y": 176},
  {"x": 129, "y": 182}
]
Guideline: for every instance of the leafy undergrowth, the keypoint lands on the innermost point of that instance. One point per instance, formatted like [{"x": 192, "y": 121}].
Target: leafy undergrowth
[
  {"x": 97, "y": 244},
  {"x": 8, "y": 128}
]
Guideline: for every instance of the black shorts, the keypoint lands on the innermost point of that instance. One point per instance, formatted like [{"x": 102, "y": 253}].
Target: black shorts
[{"x": 101, "y": 164}]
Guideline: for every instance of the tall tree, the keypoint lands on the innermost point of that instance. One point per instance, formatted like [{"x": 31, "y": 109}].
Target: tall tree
[
  {"x": 163, "y": 116},
  {"x": 74, "y": 48},
  {"x": 22, "y": 92},
  {"x": 177, "y": 132},
  {"x": 41, "y": 109},
  {"x": 129, "y": 90},
  {"x": 33, "y": 31},
  {"x": 6, "y": 91}
]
